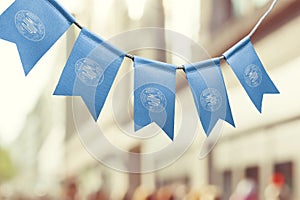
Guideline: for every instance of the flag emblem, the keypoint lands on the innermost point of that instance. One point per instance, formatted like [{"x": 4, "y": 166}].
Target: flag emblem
[
  {"x": 89, "y": 72},
  {"x": 30, "y": 25},
  {"x": 211, "y": 99},
  {"x": 153, "y": 99},
  {"x": 253, "y": 76}
]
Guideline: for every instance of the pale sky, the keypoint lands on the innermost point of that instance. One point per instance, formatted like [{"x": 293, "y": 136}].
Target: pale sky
[{"x": 18, "y": 93}]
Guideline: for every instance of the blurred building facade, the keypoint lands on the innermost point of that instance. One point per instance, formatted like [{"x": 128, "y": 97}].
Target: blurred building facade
[{"x": 260, "y": 145}]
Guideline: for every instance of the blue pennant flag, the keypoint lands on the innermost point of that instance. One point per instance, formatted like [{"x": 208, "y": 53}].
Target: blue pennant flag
[
  {"x": 154, "y": 94},
  {"x": 34, "y": 25},
  {"x": 209, "y": 91},
  {"x": 90, "y": 71},
  {"x": 247, "y": 66}
]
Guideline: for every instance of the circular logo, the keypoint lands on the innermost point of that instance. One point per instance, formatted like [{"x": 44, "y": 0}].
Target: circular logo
[
  {"x": 153, "y": 99},
  {"x": 29, "y": 25},
  {"x": 89, "y": 72},
  {"x": 253, "y": 76},
  {"x": 211, "y": 99}
]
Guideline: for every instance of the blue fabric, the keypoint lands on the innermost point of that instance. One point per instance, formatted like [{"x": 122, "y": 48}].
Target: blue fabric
[
  {"x": 34, "y": 25},
  {"x": 90, "y": 71},
  {"x": 154, "y": 94},
  {"x": 247, "y": 66},
  {"x": 209, "y": 91}
]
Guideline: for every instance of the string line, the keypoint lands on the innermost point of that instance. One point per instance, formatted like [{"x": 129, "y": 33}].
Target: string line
[
  {"x": 258, "y": 24},
  {"x": 263, "y": 18}
]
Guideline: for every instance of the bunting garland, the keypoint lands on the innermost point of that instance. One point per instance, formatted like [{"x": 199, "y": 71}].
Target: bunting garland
[
  {"x": 247, "y": 66},
  {"x": 35, "y": 25},
  {"x": 209, "y": 91},
  {"x": 154, "y": 94},
  {"x": 90, "y": 71}
]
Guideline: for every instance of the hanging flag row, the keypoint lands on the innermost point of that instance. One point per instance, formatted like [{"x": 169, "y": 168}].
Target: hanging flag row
[{"x": 35, "y": 25}]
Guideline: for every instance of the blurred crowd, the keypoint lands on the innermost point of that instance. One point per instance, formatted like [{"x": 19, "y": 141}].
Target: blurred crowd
[
  {"x": 172, "y": 192},
  {"x": 246, "y": 189}
]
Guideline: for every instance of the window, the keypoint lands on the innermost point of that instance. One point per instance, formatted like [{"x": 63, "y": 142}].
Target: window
[
  {"x": 244, "y": 7},
  {"x": 252, "y": 173},
  {"x": 227, "y": 184},
  {"x": 285, "y": 169},
  {"x": 221, "y": 13}
]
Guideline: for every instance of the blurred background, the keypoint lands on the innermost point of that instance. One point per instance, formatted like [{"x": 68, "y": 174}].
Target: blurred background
[{"x": 42, "y": 157}]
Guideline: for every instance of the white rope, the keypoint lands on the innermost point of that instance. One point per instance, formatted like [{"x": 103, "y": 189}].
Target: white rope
[
  {"x": 249, "y": 35},
  {"x": 263, "y": 18},
  {"x": 259, "y": 22}
]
